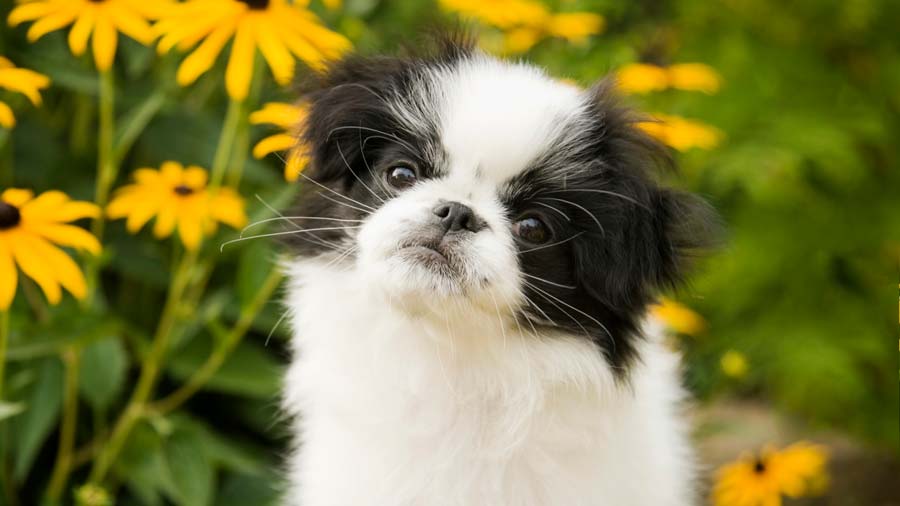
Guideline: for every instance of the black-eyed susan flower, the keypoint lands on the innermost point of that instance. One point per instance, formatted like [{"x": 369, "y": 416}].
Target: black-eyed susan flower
[
  {"x": 31, "y": 229},
  {"x": 178, "y": 198},
  {"x": 24, "y": 81},
  {"x": 289, "y": 118},
  {"x": 281, "y": 30},
  {"x": 102, "y": 18},
  {"x": 678, "y": 317},
  {"x": 764, "y": 479},
  {"x": 644, "y": 78},
  {"x": 680, "y": 133}
]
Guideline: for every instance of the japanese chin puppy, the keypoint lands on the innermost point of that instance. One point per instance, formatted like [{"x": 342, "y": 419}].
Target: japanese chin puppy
[{"x": 474, "y": 251}]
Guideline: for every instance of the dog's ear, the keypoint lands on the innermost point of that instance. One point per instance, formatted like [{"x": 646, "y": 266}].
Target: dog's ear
[{"x": 650, "y": 237}]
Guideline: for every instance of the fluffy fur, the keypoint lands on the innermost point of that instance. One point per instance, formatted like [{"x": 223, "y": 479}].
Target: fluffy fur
[{"x": 453, "y": 359}]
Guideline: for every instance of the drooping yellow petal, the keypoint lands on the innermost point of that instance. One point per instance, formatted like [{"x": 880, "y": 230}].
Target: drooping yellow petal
[
  {"x": 228, "y": 207},
  {"x": 24, "y": 81},
  {"x": 642, "y": 78},
  {"x": 74, "y": 210},
  {"x": 8, "y": 275},
  {"x": 17, "y": 196},
  {"x": 165, "y": 222},
  {"x": 296, "y": 162},
  {"x": 240, "y": 64},
  {"x": 204, "y": 56},
  {"x": 104, "y": 42},
  {"x": 69, "y": 235},
  {"x": 140, "y": 213},
  {"x": 62, "y": 15},
  {"x": 273, "y": 143},
  {"x": 7, "y": 119},
  {"x": 130, "y": 23},
  {"x": 64, "y": 269},
  {"x": 190, "y": 231},
  {"x": 35, "y": 267},
  {"x": 81, "y": 30},
  {"x": 276, "y": 55}
]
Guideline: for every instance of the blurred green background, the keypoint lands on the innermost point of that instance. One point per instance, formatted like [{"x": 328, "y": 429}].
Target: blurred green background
[{"x": 804, "y": 292}]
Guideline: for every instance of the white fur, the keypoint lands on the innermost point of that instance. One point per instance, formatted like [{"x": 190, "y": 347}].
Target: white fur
[{"x": 414, "y": 388}]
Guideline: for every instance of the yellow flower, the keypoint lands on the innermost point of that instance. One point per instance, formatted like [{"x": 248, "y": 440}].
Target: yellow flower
[
  {"x": 644, "y": 78},
  {"x": 29, "y": 228},
  {"x": 733, "y": 364},
  {"x": 333, "y": 4},
  {"x": 680, "y": 133},
  {"x": 503, "y": 14},
  {"x": 105, "y": 18},
  {"x": 24, "y": 81},
  {"x": 575, "y": 26},
  {"x": 289, "y": 118},
  {"x": 678, "y": 317},
  {"x": 281, "y": 31},
  {"x": 762, "y": 480},
  {"x": 177, "y": 197}
]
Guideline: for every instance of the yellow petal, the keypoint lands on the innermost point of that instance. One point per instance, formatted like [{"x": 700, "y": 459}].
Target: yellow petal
[
  {"x": 694, "y": 77},
  {"x": 8, "y": 275},
  {"x": 194, "y": 177},
  {"x": 65, "y": 270},
  {"x": 165, "y": 222},
  {"x": 204, "y": 56},
  {"x": 130, "y": 23},
  {"x": 190, "y": 231},
  {"x": 280, "y": 114},
  {"x": 276, "y": 55},
  {"x": 296, "y": 163},
  {"x": 123, "y": 201},
  {"x": 43, "y": 205},
  {"x": 642, "y": 78},
  {"x": 35, "y": 267},
  {"x": 139, "y": 214},
  {"x": 69, "y": 235},
  {"x": 16, "y": 196},
  {"x": 60, "y": 17},
  {"x": 172, "y": 173},
  {"x": 30, "y": 11},
  {"x": 75, "y": 210},
  {"x": 104, "y": 42},
  {"x": 228, "y": 207},
  {"x": 81, "y": 30},
  {"x": 273, "y": 143},
  {"x": 240, "y": 64},
  {"x": 7, "y": 119},
  {"x": 24, "y": 81},
  {"x": 575, "y": 26},
  {"x": 304, "y": 50}
]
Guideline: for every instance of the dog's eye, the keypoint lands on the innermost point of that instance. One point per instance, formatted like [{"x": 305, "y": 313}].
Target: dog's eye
[
  {"x": 531, "y": 229},
  {"x": 401, "y": 177}
]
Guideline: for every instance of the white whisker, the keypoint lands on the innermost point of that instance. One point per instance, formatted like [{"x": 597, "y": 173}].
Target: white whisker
[
  {"x": 551, "y": 244},
  {"x": 592, "y": 215},
  {"x": 570, "y": 287}
]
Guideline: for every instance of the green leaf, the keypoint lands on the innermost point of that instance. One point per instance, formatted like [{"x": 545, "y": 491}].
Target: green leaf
[
  {"x": 249, "y": 371},
  {"x": 104, "y": 364},
  {"x": 144, "y": 468},
  {"x": 192, "y": 471},
  {"x": 44, "y": 400},
  {"x": 10, "y": 409},
  {"x": 244, "y": 490},
  {"x": 227, "y": 452}
]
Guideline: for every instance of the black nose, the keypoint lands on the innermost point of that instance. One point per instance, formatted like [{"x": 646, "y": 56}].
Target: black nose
[{"x": 455, "y": 217}]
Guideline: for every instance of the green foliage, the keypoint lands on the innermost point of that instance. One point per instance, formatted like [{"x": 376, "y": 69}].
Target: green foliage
[{"x": 806, "y": 181}]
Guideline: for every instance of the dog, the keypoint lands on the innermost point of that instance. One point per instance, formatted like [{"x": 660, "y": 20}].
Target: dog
[{"x": 475, "y": 248}]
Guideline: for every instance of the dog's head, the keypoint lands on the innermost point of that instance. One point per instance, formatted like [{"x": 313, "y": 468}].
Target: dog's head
[{"x": 459, "y": 178}]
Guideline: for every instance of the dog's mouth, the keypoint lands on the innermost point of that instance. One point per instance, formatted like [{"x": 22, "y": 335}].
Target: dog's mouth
[{"x": 434, "y": 254}]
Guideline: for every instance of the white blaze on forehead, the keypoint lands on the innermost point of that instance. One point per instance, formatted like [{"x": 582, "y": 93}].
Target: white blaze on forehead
[{"x": 496, "y": 117}]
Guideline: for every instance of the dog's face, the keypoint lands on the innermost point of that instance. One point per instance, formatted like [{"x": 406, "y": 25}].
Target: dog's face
[{"x": 460, "y": 179}]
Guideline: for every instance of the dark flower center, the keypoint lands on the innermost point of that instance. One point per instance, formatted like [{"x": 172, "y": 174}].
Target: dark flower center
[
  {"x": 183, "y": 190},
  {"x": 257, "y": 4},
  {"x": 9, "y": 216},
  {"x": 759, "y": 467}
]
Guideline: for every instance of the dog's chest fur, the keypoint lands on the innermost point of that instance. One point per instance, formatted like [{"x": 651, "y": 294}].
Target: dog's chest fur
[{"x": 398, "y": 408}]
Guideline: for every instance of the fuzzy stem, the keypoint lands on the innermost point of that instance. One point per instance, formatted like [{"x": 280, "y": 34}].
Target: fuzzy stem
[
  {"x": 63, "y": 466},
  {"x": 4, "y": 341},
  {"x": 224, "y": 348},
  {"x": 149, "y": 371},
  {"x": 107, "y": 168}
]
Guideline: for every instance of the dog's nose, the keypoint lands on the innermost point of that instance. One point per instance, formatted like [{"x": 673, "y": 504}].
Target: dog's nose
[{"x": 456, "y": 216}]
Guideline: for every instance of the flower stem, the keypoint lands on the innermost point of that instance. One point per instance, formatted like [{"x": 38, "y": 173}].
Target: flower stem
[
  {"x": 224, "y": 348},
  {"x": 107, "y": 168},
  {"x": 149, "y": 371},
  {"x": 63, "y": 466},
  {"x": 226, "y": 143}
]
